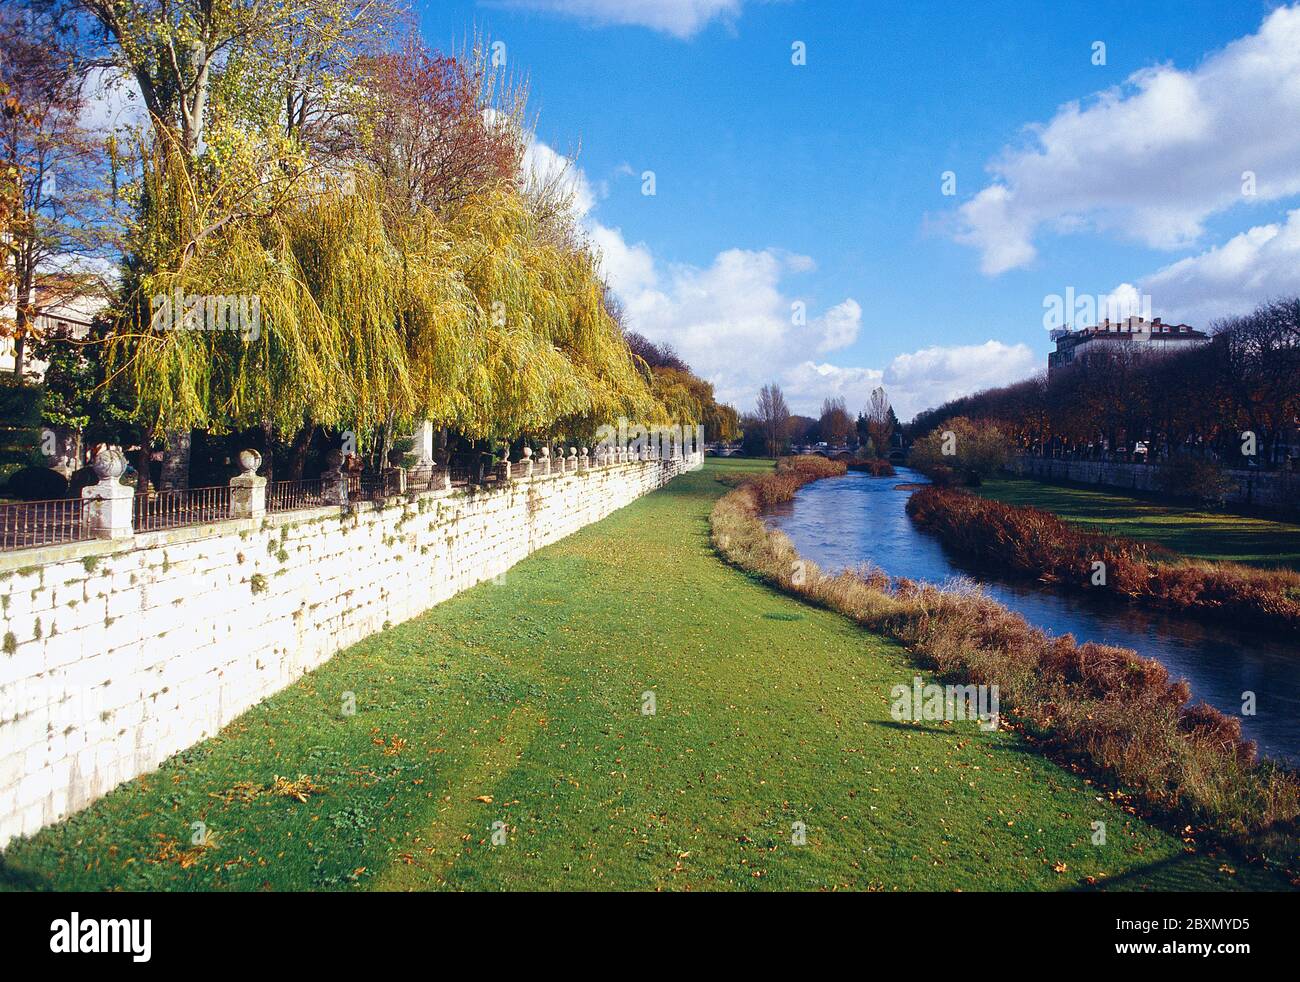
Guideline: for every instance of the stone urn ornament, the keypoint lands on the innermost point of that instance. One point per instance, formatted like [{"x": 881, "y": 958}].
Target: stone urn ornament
[{"x": 109, "y": 464}]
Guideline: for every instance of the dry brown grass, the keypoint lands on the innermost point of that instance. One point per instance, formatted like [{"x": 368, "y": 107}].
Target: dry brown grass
[
  {"x": 877, "y": 467},
  {"x": 1037, "y": 543},
  {"x": 1107, "y": 708}
]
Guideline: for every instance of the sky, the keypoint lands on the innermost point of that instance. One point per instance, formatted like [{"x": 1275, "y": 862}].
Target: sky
[
  {"x": 799, "y": 231},
  {"x": 836, "y": 195}
]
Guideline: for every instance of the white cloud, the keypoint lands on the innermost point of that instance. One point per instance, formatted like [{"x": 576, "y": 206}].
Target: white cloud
[
  {"x": 630, "y": 269},
  {"x": 934, "y": 375},
  {"x": 680, "y": 18},
  {"x": 736, "y": 323},
  {"x": 732, "y": 322},
  {"x": 112, "y": 102},
  {"x": 914, "y": 381},
  {"x": 1153, "y": 158},
  {"x": 807, "y": 383},
  {"x": 1259, "y": 264},
  {"x": 543, "y": 166},
  {"x": 840, "y": 325}
]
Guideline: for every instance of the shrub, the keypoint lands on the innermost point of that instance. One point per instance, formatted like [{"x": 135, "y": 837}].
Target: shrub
[
  {"x": 811, "y": 467},
  {"x": 970, "y": 450},
  {"x": 1107, "y": 707},
  {"x": 36, "y": 484},
  {"x": 1038, "y": 544},
  {"x": 1202, "y": 480},
  {"x": 873, "y": 466}
]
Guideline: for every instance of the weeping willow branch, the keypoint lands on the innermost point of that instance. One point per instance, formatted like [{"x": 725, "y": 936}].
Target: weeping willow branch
[{"x": 481, "y": 322}]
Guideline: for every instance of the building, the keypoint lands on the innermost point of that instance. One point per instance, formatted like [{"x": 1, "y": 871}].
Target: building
[
  {"x": 1139, "y": 334},
  {"x": 60, "y": 311}
]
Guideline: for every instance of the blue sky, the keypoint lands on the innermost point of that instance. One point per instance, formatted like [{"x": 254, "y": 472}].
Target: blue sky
[{"x": 820, "y": 184}]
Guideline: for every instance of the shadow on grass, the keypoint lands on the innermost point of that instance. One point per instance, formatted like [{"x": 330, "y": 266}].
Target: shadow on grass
[
  {"x": 22, "y": 881},
  {"x": 1185, "y": 871}
]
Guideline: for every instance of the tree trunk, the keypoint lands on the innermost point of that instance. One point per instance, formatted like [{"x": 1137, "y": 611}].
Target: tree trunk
[
  {"x": 176, "y": 461},
  {"x": 268, "y": 451},
  {"x": 298, "y": 452},
  {"x": 386, "y": 444},
  {"x": 142, "y": 462}
]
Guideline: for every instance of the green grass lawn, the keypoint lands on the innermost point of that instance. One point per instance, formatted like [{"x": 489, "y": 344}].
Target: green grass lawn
[
  {"x": 521, "y": 703},
  {"x": 1208, "y": 535}
]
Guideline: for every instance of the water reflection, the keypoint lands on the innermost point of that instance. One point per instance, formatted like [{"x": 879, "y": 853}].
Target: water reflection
[{"x": 842, "y": 522}]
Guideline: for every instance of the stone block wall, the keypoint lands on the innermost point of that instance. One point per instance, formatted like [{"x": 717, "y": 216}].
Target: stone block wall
[
  {"x": 1271, "y": 490},
  {"x": 118, "y": 654}
]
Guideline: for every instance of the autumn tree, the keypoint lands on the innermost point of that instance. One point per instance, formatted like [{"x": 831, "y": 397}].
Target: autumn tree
[
  {"x": 969, "y": 450},
  {"x": 801, "y": 429},
  {"x": 58, "y": 222},
  {"x": 834, "y": 424},
  {"x": 405, "y": 270},
  {"x": 1196, "y": 402},
  {"x": 441, "y": 128},
  {"x": 772, "y": 415},
  {"x": 881, "y": 421},
  {"x": 1258, "y": 366}
]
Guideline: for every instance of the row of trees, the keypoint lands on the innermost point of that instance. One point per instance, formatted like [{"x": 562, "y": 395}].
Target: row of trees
[
  {"x": 771, "y": 428},
  {"x": 683, "y": 394},
  {"x": 366, "y": 192},
  {"x": 1238, "y": 393}
]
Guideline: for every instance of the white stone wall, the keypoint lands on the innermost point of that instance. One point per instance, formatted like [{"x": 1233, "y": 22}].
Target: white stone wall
[
  {"x": 117, "y": 655},
  {"x": 1273, "y": 490}
]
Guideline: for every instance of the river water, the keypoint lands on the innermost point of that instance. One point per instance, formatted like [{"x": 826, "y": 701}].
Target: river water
[{"x": 841, "y": 522}]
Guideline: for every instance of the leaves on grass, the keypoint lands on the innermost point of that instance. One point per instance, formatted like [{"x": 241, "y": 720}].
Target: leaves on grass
[{"x": 246, "y": 791}]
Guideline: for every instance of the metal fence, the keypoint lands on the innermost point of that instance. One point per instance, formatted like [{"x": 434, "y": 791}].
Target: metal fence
[
  {"x": 288, "y": 495},
  {"x": 363, "y": 487},
  {"x": 24, "y": 524},
  {"x": 172, "y": 509},
  {"x": 27, "y": 524}
]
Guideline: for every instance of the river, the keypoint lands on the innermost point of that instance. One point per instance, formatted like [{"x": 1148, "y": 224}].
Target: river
[{"x": 842, "y": 522}]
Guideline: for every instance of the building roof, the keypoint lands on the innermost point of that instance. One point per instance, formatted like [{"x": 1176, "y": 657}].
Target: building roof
[{"x": 1129, "y": 327}]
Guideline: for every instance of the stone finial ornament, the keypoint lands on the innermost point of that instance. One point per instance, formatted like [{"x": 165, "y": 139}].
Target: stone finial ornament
[{"x": 109, "y": 464}]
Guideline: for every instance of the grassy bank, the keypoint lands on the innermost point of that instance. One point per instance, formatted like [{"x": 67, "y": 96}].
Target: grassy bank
[
  {"x": 521, "y": 703},
  {"x": 1200, "y": 534},
  {"x": 1106, "y": 706},
  {"x": 1034, "y": 542}
]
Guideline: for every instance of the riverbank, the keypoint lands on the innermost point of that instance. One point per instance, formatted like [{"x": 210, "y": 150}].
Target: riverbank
[
  {"x": 1034, "y": 542},
  {"x": 1191, "y": 532},
  {"x": 1102, "y": 704},
  {"x": 523, "y": 702}
]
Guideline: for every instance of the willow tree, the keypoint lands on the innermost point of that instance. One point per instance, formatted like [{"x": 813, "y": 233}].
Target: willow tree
[
  {"x": 477, "y": 323},
  {"x": 548, "y": 354},
  {"x": 240, "y": 96},
  {"x": 394, "y": 284},
  {"x": 446, "y": 142},
  {"x": 330, "y": 287}
]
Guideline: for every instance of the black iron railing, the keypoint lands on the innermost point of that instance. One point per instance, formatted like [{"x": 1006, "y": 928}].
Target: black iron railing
[
  {"x": 288, "y": 495},
  {"x": 24, "y": 524},
  {"x": 187, "y": 506}
]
